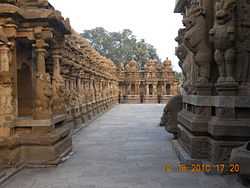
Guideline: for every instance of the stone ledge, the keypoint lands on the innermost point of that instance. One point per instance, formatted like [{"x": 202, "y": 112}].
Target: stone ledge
[
  {"x": 193, "y": 122},
  {"x": 182, "y": 155},
  {"x": 218, "y": 101}
]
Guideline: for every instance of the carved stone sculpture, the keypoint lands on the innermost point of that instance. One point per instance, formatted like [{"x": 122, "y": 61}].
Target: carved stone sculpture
[
  {"x": 223, "y": 37},
  {"x": 181, "y": 51},
  {"x": 196, "y": 41},
  {"x": 5, "y": 58},
  {"x": 169, "y": 117},
  {"x": 188, "y": 65},
  {"x": 43, "y": 97},
  {"x": 58, "y": 104}
]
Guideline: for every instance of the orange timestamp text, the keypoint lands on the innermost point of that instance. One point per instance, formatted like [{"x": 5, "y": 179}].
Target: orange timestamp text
[{"x": 205, "y": 168}]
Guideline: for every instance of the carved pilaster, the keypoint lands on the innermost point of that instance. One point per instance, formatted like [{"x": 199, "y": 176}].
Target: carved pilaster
[
  {"x": 43, "y": 88},
  {"x": 58, "y": 88},
  {"x": 6, "y": 85}
]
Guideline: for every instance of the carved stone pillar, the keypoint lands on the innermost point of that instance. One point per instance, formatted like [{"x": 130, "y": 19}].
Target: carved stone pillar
[
  {"x": 154, "y": 89},
  {"x": 43, "y": 88},
  {"x": 91, "y": 89},
  {"x": 6, "y": 89},
  {"x": 147, "y": 89}
]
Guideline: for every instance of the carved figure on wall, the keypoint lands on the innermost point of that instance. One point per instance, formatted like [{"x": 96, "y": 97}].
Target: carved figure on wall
[
  {"x": 196, "y": 40},
  {"x": 5, "y": 58},
  {"x": 188, "y": 65},
  {"x": 150, "y": 68},
  {"x": 58, "y": 88},
  {"x": 181, "y": 52},
  {"x": 132, "y": 66},
  {"x": 223, "y": 37},
  {"x": 43, "y": 96},
  {"x": 243, "y": 42},
  {"x": 6, "y": 98}
]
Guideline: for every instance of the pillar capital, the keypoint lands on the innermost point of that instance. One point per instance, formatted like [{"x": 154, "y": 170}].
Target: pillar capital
[{"x": 40, "y": 45}]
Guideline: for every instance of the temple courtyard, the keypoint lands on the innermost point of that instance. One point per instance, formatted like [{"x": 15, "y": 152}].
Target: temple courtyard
[{"x": 123, "y": 148}]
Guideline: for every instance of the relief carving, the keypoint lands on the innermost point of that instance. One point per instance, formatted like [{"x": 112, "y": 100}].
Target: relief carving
[
  {"x": 5, "y": 58},
  {"x": 6, "y": 99},
  {"x": 183, "y": 54},
  {"x": 196, "y": 40},
  {"x": 243, "y": 42},
  {"x": 223, "y": 37},
  {"x": 189, "y": 67},
  {"x": 43, "y": 97},
  {"x": 58, "y": 88}
]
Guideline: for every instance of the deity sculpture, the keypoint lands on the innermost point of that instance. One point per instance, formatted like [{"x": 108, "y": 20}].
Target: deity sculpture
[
  {"x": 58, "y": 90},
  {"x": 223, "y": 38},
  {"x": 195, "y": 39},
  {"x": 186, "y": 58},
  {"x": 181, "y": 52}
]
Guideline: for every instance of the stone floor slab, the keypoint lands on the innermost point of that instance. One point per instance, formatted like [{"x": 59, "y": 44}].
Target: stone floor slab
[{"x": 124, "y": 148}]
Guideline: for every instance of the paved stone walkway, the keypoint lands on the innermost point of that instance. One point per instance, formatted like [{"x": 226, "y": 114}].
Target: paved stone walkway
[{"x": 122, "y": 149}]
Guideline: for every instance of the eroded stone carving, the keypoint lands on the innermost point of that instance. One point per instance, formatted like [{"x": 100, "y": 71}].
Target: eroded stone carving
[
  {"x": 181, "y": 51},
  {"x": 196, "y": 40},
  {"x": 169, "y": 117},
  {"x": 6, "y": 99},
  {"x": 58, "y": 87},
  {"x": 223, "y": 37}
]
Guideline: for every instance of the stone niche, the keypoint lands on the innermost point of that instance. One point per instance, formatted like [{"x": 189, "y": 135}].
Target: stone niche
[{"x": 213, "y": 49}]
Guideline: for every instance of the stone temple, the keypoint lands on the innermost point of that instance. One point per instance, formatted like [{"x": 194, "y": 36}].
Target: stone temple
[
  {"x": 52, "y": 82},
  {"x": 156, "y": 83}
]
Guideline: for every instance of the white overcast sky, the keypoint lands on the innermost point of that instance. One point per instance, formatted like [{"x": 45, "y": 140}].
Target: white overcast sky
[{"x": 152, "y": 20}]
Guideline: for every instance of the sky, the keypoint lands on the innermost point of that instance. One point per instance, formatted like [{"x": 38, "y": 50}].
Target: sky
[{"x": 152, "y": 20}]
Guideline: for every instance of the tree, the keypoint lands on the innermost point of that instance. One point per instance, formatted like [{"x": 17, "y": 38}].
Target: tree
[
  {"x": 179, "y": 76},
  {"x": 120, "y": 47}
]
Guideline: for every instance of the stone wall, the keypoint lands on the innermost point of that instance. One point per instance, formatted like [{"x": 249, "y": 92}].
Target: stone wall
[
  {"x": 51, "y": 82},
  {"x": 214, "y": 56}
]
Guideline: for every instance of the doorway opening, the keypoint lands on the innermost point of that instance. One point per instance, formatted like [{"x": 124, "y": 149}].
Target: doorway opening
[{"x": 24, "y": 80}]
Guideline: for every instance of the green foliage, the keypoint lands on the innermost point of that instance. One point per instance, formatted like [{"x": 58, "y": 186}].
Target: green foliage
[
  {"x": 120, "y": 47},
  {"x": 179, "y": 76}
]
